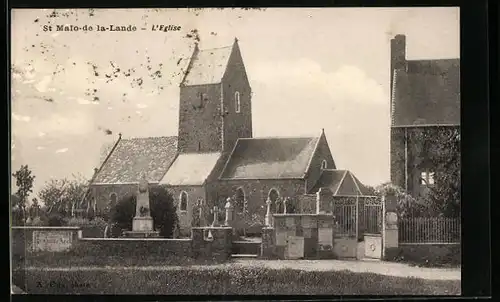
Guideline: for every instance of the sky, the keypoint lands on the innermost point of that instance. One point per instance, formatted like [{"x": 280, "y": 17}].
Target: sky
[{"x": 73, "y": 92}]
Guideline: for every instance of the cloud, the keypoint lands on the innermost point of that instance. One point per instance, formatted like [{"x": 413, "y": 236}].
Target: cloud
[
  {"x": 83, "y": 101},
  {"x": 40, "y": 148},
  {"x": 43, "y": 84},
  {"x": 141, "y": 106},
  {"x": 21, "y": 118},
  {"x": 63, "y": 150}
]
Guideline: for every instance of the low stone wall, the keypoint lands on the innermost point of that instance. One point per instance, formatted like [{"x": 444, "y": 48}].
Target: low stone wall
[
  {"x": 69, "y": 239},
  {"x": 22, "y": 239},
  {"x": 134, "y": 247}
]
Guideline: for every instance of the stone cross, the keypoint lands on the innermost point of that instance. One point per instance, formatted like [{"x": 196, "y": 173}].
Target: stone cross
[
  {"x": 216, "y": 216},
  {"x": 268, "y": 212}
]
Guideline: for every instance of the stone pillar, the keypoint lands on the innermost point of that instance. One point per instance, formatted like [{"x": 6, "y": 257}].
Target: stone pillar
[
  {"x": 285, "y": 201},
  {"x": 268, "y": 243},
  {"x": 390, "y": 232},
  {"x": 229, "y": 213},
  {"x": 324, "y": 201},
  {"x": 197, "y": 243},
  {"x": 268, "y": 213}
]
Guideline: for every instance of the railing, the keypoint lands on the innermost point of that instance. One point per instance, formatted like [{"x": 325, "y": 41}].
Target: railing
[
  {"x": 424, "y": 230},
  {"x": 345, "y": 216}
]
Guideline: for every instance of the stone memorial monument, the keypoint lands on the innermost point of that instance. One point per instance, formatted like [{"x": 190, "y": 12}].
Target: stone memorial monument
[{"x": 142, "y": 224}]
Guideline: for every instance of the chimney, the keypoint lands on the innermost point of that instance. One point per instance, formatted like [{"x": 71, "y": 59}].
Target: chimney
[{"x": 398, "y": 52}]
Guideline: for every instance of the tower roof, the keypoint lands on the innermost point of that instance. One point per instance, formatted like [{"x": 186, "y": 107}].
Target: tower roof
[{"x": 207, "y": 66}]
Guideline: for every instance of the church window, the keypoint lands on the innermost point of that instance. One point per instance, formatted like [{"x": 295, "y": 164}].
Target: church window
[
  {"x": 273, "y": 196},
  {"x": 183, "y": 201},
  {"x": 324, "y": 164},
  {"x": 112, "y": 199},
  {"x": 237, "y": 104},
  {"x": 240, "y": 200}
]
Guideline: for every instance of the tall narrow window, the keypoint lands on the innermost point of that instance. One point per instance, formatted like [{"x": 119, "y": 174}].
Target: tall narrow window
[
  {"x": 112, "y": 199},
  {"x": 240, "y": 200},
  {"x": 324, "y": 164},
  {"x": 274, "y": 198},
  {"x": 183, "y": 201},
  {"x": 237, "y": 104}
]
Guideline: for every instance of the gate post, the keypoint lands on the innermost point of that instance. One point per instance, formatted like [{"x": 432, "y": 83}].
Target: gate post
[{"x": 390, "y": 232}]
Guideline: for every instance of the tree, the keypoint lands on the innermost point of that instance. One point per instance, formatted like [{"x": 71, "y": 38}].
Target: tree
[
  {"x": 60, "y": 195},
  {"x": 24, "y": 183},
  {"x": 407, "y": 204},
  {"x": 444, "y": 195},
  {"x": 162, "y": 207}
]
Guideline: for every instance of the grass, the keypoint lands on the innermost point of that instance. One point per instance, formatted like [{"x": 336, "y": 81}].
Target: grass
[
  {"x": 228, "y": 281},
  {"x": 48, "y": 259}
]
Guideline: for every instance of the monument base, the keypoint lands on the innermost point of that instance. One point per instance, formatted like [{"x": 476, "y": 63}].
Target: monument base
[{"x": 142, "y": 224}]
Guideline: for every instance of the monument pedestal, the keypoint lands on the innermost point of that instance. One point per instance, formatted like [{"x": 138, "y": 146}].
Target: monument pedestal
[{"x": 142, "y": 227}]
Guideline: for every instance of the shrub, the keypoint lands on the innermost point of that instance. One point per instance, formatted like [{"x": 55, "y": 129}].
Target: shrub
[
  {"x": 161, "y": 207},
  {"x": 56, "y": 220}
]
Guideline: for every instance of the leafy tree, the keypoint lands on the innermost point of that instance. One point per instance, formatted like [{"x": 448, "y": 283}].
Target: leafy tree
[
  {"x": 24, "y": 183},
  {"x": 162, "y": 210},
  {"x": 407, "y": 204},
  {"x": 60, "y": 195},
  {"x": 441, "y": 151}
]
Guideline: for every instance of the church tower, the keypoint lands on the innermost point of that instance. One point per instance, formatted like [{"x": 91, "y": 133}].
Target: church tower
[{"x": 215, "y": 101}]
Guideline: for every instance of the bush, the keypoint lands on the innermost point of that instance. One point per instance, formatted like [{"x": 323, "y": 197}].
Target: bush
[
  {"x": 56, "y": 220},
  {"x": 161, "y": 207}
]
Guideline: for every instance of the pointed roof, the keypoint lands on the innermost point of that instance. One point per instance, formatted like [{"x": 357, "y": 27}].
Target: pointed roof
[
  {"x": 270, "y": 158},
  {"x": 190, "y": 169},
  {"x": 340, "y": 182},
  {"x": 208, "y": 66},
  {"x": 131, "y": 157}
]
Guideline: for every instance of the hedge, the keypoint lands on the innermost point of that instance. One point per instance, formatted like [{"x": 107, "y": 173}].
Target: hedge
[{"x": 230, "y": 281}]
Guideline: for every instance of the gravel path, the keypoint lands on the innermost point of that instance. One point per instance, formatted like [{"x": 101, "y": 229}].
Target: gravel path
[{"x": 377, "y": 267}]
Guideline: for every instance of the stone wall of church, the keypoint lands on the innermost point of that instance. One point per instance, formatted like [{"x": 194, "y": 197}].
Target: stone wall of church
[
  {"x": 200, "y": 121},
  {"x": 256, "y": 194},
  {"x": 186, "y": 217},
  {"x": 102, "y": 194}
]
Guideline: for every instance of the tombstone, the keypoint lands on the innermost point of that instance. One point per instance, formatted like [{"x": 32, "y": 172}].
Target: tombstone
[
  {"x": 229, "y": 213},
  {"x": 215, "y": 211},
  {"x": 142, "y": 224},
  {"x": 268, "y": 213},
  {"x": 195, "y": 222}
]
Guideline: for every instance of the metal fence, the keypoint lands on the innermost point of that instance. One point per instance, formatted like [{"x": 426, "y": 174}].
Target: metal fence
[{"x": 425, "y": 230}]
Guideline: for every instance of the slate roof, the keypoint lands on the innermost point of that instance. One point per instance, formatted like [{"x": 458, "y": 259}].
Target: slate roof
[
  {"x": 270, "y": 158},
  {"x": 131, "y": 157},
  {"x": 190, "y": 169},
  {"x": 208, "y": 66},
  {"x": 427, "y": 93},
  {"x": 340, "y": 182}
]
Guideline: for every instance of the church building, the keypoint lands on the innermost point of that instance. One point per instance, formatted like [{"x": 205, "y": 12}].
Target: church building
[{"x": 214, "y": 156}]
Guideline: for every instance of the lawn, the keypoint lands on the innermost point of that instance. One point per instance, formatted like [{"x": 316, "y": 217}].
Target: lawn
[{"x": 227, "y": 280}]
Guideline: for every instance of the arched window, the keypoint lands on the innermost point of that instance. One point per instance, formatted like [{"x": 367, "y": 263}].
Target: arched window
[
  {"x": 112, "y": 199},
  {"x": 274, "y": 198},
  {"x": 183, "y": 201},
  {"x": 239, "y": 200},
  {"x": 237, "y": 104},
  {"x": 324, "y": 164}
]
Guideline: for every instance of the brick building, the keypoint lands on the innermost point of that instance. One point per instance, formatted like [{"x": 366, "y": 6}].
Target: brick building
[
  {"x": 214, "y": 155},
  {"x": 425, "y": 107}
]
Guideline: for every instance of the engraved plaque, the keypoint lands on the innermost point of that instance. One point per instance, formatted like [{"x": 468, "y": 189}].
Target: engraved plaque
[
  {"x": 52, "y": 241},
  {"x": 295, "y": 247}
]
